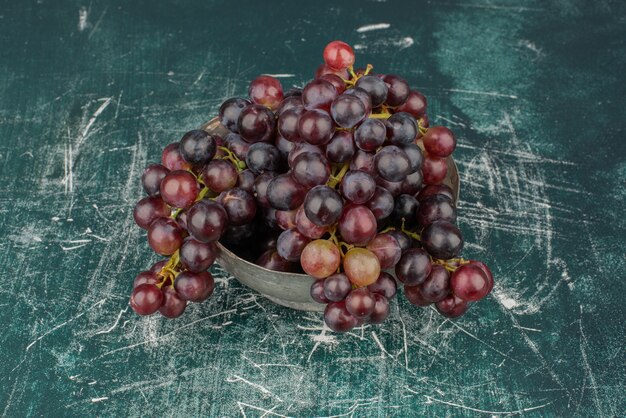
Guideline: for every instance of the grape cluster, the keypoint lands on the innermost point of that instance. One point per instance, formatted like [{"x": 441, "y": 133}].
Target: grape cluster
[{"x": 341, "y": 179}]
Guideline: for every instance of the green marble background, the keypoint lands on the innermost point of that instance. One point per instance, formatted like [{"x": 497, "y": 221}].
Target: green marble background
[{"x": 90, "y": 91}]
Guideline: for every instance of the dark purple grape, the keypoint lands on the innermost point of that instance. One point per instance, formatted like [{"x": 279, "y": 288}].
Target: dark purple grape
[
  {"x": 440, "y": 189},
  {"x": 317, "y": 292},
  {"x": 412, "y": 183},
  {"x": 286, "y": 219},
  {"x": 437, "y": 285},
  {"x": 219, "y": 175},
  {"x": 384, "y": 285},
  {"x": 269, "y": 218},
  {"x": 452, "y": 306},
  {"x": 403, "y": 239},
  {"x": 194, "y": 287},
  {"x": 179, "y": 189},
  {"x": 262, "y": 157},
  {"x": 436, "y": 208},
  {"x": 416, "y": 158},
  {"x": 318, "y": 94},
  {"x": 299, "y": 148},
  {"x": 197, "y": 147},
  {"x": 337, "y": 317},
  {"x": 347, "y": 110},
  {"x": 414, "y": 296},
  {"x": 357, "y": 225},
  {"x": 387, "y": 249},
  {"x": 236, "y": 144},
  {"x": 316, "y": 127},
  {"x": 239, "y": 205},
  {"x": 288, "y": 123},
  {"x": 375, "y": 87},
  {"x": 290, "y": 244},
  {"x": 165, "y": 236},
  {"x": 245, "y": 181},
  {"x": 404, "y": 209},
  {"x": 381, "y": 203},
  {"x": 310, "y": 169},
  {"x": 323, "y": 206},
  {"x": 357, "y": 186},
  {"x": 148, "y": 209},
  {"x": 363, "y": 96},
  {"x": 206, "y": 221},
  {"x": 360, "y": 302},
  {"x": 434, "y": 169},
  {"x": 363, "y": 161},
  {"x": 260, "y": 188},
  {"x": 397, "y": 90},
  {"x": 392, "y": 163},
  {"x": 256, "y": 123},
  {"x": 442, "y": 240},
  {"x": 381, "y": 310},
  {"x": 337, "y": 287},
  {"x": 146, "y": 299},
  {"x": 197, "y": 256},
  {"x": 415, "y": 104},
  {"x": 229, "y": 112},
  {"x": 414, "y": 266},
  {"x": 401, "y": 129},
  {"x": 149, "y": 277},
  {"x": 284, "y": 147},
  {"x": 306, "y": 227},
  {"x": 336, "y": 81},
  {"x": 284, "y": 193},
  {"x": 236, "y": 234},
  {"x": 271, "y": 260},
  {"x": 291, "y": 102},
  {"x": 151, "y": 179},
  {"x": 173, "y": 305},
  {"x": 171, "y": 158},
  {"x": 394, "y": 187},
  {"x": 341, "y": 147},
  {"x": 370, "y": 135}
]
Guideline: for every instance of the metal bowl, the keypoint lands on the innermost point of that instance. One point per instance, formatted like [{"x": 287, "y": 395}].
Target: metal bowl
[{"x": 287, "y": 289}]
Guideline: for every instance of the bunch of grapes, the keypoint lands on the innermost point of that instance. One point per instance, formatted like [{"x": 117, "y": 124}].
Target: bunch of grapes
[{"x": 341, "y": 180}]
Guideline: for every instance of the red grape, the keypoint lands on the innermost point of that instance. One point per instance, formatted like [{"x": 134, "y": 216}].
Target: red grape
[
  {"x": 173, "y": 305},
  {"x": 357, "y": 186},
  {"x": 452, "y": 306},
  {"x": 194, "y": 287},
  {"x": 341, "y": 147},
  {"x": 347, "y": 110},
  {"x": 239, "y": 205},
  {"x": 485, "y": 270},
  {"x": 360, "y": 302},
  {"x": 317, "y": 292},
  {"x": 171, "y": 158},
  {"x": 381, "y": 204},
  {"x": 392, "y": 164},
  {"x": 310, "y": 169},
  {"x": 435, "y": 208},
  {"x": 179, "y": 189},
  {"x": 336, "y": 81},
  {"x": 151, "y": 179},
  {"x": 288, "y": 123},
  {"x": 316, "y": 127},
  {"x": 256, "y": 123},
  {"x": 386, "y": 248},
  {"x": 469, "y": 283},
  {"x": 357, "y": 225},
  {"x": 165, "y": 236},
  {"x": 381, "y": 310},
  {"x": 284, "y": 193},
  {"x": 148, "y": 209},
  {"x": 414, "y": 295},
  {"x": 149, "y": 277},
  {"x": 320, "y": 258},
  {"x": 337, "y": 317},
  {"x": 439, "y": 141},
  {"x": 206, "y": 221},
  {"x": 146, "y": 299},
  {"x": 306, "y": 227},
  {"x": 437, "y": 285},
  {"x": 398, "y": 90},
  {"x": 439, "y": 189},
  {"x": 384, "y": 285},
  {"x": 262, "y": 157},
  {"x": 197, "y": 256},
  {"x": 375, "y": 87},
  {"x": 266, "y": 90},
  {"x": 415, "y": 104},
  {"x": 370, "y": 135},
  {"x": 290, "y": 244},
  {"x": 319, "y": 94},
  {"x": 219, "y": 175},
  {"x": 434, "y": 169},
  {"x": 337, "y": 287},
  {"x": 401, "y": 129},
  {"x": 271, "y": 260},
  {"x": 361, "y": 266},
  {"x": 286, "y": 219},
  {"x": 338, "y": 55}
]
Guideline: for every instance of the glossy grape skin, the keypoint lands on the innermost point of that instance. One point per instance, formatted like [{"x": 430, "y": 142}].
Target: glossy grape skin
[
  {"x": 219, "y": 175},
  {"x": 266, "y": 91},
  {"x": 363, "y": 161},
  {"x": 452, "y": 306},
  {"x": 148, "y": 209},
  {"x": 262, "y": 157},
  {"x": 392, "y": 164},
  {"x": 414, "y": 266},
  {"x": 284, "y": 147},
  {"x": 316, "y": 127},
  {"x": 323, "y": 206},
  {"x": 414, "y": 296},
  {"x": 412, "y": 184},
  {"x": 337, "y": 317},
  {"x": 260, "y": 188},
  {"x": 151, "y": 179},
  {"x": 306, "y": 227},
  {"x": 194, "y": 287},
  {"x": 165, "y": 236},
  {"x": 387, "y": 249},
  {"x": 173, "y": 305},
  {"x": 385, "y": 285},
  {"x": 318, "y": 94},
  {"x": 487, "y": 272},
  {"x": 439, "y": 141},
  {"x": 288, "y": 123},
  {"x": 245, "y": 180},
  {"x": 290, "y": 102},
  {"x": 286, "y": 219},
  {"x": 324, "y": 69},
  {"x": 284, "y": 193},
  {"x": 230, "y": 111},
  {"x": 403, "y": 239},
  {"x": 375, "y": 87},
  {"x": 197, "y": 256},
  {"x": 436, "y": 208},
  {"x": 206, "y": 221},
  {"x": 317, "y": 292},
  {"x": 394, "y": 187},
  {"x": 361, "y": 266},
  {"x": 415, "y": 104},
  {"x": 442, "y": 240},
  {"x": 310, "y": 169},
  {"x": 381, "y": 203},
  {"x": 357, "y": 186},
  {"x": 300, "y": 148},
  {"x": 439, "y": 189},
  {"x": 469, "y": 283},
  {"x": 401, "y": 129},
  {"x": 172, "y": 159},
  {"x": 370, "y": 135},
  {"x": 337, "y": 287},
  {"x": 434, "y": 170},
  {"x": 179, "y": 189},
  {"x": 347, "y": 110},
  {"x": 341, "y": 147},
  {"x": 336, "y": 81},
  {"x": 397, "y": 90},
  {"x": 256, "y": 123},
  {"x": 338, "y": 55},
  {"x": 416, "y": 158},
  {"x": 360, "y": 302},
  {"x": 404, "y": 209},
  {"x": 237, "y": 145},
  {"x": 146, "y": 299},
  {"x": 149, "y": 277},
  {"x": 271, "y": 260},
  {"x": 364, "y": 96},
  {"x": 320, "y": 258},
  {"x": 290, "y": 244},
  {"x": 357, "y": 225},
  {"x": 239, "y": 205},
  {"x": 197, "y": 147},
  {"x": 156, "y": 267},
  {"x": 437, "y": 285},
  {"x": 381, "y": 310}
]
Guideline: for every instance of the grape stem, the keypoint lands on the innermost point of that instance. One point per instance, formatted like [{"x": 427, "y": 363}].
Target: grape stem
[
  {"x": 169, "y": 270},
  {"x": 230, "y": 156},
  {"x": 412, "y": 234},
  {"x": 452, "y": 264},
  {"x": 334, "y": 180}
]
